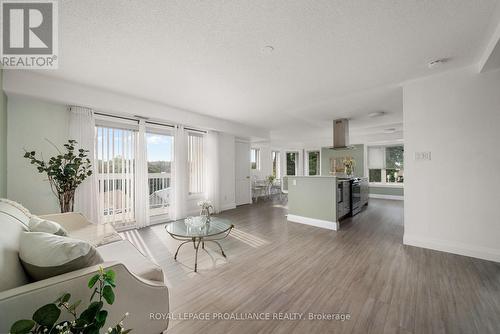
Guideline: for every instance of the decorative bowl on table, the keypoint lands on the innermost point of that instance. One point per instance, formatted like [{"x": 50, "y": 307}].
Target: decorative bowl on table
[{"x": 199, "y": 221}]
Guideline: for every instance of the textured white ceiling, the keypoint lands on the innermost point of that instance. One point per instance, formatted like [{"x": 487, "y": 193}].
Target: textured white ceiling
[{"x": 331, "y": 59}]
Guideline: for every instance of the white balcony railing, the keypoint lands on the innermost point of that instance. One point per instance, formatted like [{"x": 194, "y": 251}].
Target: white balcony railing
[
  {"x": 117, "y": 194},
  {"x": 159, "y": 190}
]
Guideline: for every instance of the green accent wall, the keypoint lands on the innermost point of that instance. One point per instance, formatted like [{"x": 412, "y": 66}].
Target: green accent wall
[
  {"x": 312, "y": 197},
  {"x": 30, "y": 123},
  {"x": 357, "y": 153},
  {"x": 3, "y": 139},
  {"x": 386, "y": 191}
]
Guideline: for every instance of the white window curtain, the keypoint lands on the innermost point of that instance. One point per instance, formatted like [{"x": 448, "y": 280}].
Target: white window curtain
[
  {"x": 82, "y": 129},
  {"x": 196, "y": 163},
  {"x": 376, "y": 157},
  {"x": 212, "y": 176},
  {"x": 115, "y": 151},
  {"x": 141, "y": 179},
  {"x": 180, "y": 172}
]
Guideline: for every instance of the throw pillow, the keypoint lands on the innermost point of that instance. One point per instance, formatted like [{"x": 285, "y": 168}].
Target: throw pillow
[
  {"x": 37, "y": 224},
  {"x": 44, "y": 255}
]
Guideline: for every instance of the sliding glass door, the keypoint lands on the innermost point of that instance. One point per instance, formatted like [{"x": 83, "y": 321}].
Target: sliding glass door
[
  {"x": 125, "y": 190},
  {"x": 160, "y": 149}
]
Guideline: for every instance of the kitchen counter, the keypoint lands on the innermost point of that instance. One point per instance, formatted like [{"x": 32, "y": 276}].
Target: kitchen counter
[{"x": 315, "y": 200}]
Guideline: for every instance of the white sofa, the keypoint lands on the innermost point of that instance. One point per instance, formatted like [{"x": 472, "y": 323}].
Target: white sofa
[{"x": 140, "y": 288}]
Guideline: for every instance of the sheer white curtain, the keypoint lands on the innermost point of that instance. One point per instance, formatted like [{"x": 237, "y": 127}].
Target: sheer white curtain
[
  {"x": 82, "y": 129},
  {"x": 180, "y": 172},
  {"x": 212, "y": 169},
  {"x": 141, "y": 179}
]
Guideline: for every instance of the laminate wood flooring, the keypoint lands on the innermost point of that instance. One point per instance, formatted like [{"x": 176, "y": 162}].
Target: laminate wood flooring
[{"x": 274, "y": 266}]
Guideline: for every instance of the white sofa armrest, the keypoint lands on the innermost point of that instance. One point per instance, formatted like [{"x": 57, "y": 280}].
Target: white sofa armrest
[{"x": 137, "y": 296}]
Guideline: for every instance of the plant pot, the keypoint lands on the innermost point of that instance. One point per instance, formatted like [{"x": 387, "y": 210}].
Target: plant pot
[{"x": 67, "y": 201}]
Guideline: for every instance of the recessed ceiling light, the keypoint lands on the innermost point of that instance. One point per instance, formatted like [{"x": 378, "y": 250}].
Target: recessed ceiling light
[
  {"x": 390, "y": 130},
  {"x": 437, "y": 62},
  {"x": 376, "y": 114},
  {"x": 268, "y": 49}
]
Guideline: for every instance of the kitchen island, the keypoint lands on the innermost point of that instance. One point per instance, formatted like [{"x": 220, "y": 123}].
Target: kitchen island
[{"x": 318, "y": 201}]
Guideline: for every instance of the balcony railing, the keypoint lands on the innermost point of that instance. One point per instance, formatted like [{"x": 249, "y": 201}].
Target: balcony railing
[
  {"x": 117, "y": 194},
  {"x": 160, "y": 191}
]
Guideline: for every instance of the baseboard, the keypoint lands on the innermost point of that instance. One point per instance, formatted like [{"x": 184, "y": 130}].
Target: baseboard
[
  {"x": 484, "y": 253},
  {"x": 314, "y": 222},
  {"x": 393, "y": 197},
  {"x": 228, "y": 206}
]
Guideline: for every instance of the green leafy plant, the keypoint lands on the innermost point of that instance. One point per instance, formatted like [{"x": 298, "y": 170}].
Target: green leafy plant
[
  {"x": 65, "y": 172},
  {"x": 90, "y": 321},
  {"x": 271, "y": 179}
]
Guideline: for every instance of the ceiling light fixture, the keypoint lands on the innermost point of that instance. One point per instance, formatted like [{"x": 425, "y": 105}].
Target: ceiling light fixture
[
  {"x": 268, "y": 49},
  {"x": 376, "y": 114},
  {"x": 437, "y": 62}
]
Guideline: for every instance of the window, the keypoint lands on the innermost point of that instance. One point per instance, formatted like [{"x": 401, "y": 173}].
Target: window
[
  {"x": 195, "y": 163},
  {"x": 292, "y": 160},
  {"x": 276, "y": 162},
  {"x": 386, "y": 164},
  {"x": 255, "y": 158},
  {"x": 115, "y": 151},
  {"x": 313, "y": 163}
]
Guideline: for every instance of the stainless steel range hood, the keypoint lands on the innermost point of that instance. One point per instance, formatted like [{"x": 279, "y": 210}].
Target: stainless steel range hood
[{"x": 340, "y": 134}]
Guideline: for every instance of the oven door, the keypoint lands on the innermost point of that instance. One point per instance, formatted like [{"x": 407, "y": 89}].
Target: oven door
[{"x": 355, "y": 197}]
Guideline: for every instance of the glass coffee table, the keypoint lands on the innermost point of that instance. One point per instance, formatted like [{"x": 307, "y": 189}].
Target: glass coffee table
[{"x": 212, "y": 230}]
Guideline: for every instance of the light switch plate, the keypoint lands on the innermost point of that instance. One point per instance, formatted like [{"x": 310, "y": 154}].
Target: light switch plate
[
  {"x": 294, "y": 182},
  {"x": 422, "y": 156}
]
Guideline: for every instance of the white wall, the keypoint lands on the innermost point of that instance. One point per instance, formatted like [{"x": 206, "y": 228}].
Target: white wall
[
  {"x": 227, "y": 151},
  {"x": 69, "y": 93},
  {"x": 451, "y": 202},
  {"x": 266, "y": 167},
  {"x": 29, "y": 123},
  {"x": 3, "y": 140},
  {"x": 265, "y": 161}
]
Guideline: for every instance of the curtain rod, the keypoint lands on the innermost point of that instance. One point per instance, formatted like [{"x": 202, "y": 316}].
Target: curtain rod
[
  {"x": 149, "y": 122},
  {"x": 121, "y": 117},
  {"x": 161, "y": 124},
  {"x": 195, "y": 130}
]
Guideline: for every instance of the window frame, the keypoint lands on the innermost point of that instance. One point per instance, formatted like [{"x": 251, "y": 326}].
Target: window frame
[
  {"x": 306, "y": 162},
  {"x": 383, "y": 183},
  {"x": 297, "y": 164},
  {"x": 278, "y": 164},
  {"x": 257, "y": 158}
]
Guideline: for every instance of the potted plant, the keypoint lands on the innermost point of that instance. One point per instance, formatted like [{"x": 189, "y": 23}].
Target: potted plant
[
  {"x": 90, "y": 321},
  {"x": 65, "y": 172}
]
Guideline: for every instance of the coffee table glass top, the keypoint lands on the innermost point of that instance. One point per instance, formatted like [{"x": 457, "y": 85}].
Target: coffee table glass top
[{"x": 213, "y": 227}]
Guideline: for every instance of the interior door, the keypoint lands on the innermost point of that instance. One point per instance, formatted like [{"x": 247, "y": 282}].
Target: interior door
[{"x": 243, "y": 191}]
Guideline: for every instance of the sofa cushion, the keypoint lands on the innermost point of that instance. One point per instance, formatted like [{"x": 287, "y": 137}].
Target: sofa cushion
[
  {"x": 44, "y": 255},
  {"x": 38, "y": 224},
  {"x": 12, "y": 273},
  {"x": 126, "y": 253}
]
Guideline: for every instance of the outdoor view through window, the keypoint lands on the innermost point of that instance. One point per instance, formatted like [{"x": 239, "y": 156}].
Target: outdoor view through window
[{"x": 159, "y": 148}]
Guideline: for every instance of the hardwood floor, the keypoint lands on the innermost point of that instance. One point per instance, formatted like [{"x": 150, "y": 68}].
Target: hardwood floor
[{"x": 363, "y": 270}]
